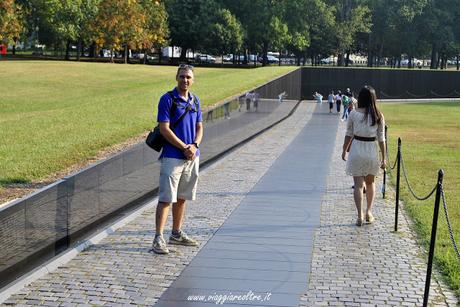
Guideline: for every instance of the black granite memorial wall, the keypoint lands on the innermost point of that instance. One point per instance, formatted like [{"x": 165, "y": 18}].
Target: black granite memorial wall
[{"x": 389, "y": 83}]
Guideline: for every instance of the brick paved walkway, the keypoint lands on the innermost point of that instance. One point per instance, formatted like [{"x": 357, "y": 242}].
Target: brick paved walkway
[{"x": 351, "y": 266}]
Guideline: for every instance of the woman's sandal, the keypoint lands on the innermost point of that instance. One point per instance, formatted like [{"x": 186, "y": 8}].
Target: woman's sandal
[
  {"x": 370, "y": 218},
  {"x": 359, "y": 222}
]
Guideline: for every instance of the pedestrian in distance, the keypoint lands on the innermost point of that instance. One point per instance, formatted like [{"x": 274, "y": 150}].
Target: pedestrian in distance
[
  {"x": 345, "y": 102},
  {"x": 282, "y": 96},
  {"x": 338, "y": 100},
  {"x": 179, "y": 158},
  {"x": 331, "y": 100},
  {"x": 318, "y": 97},
  {"x": 365, "y": 126},
  {"x": 248, "y": 97},
  {"x": 256, "y": 98}
]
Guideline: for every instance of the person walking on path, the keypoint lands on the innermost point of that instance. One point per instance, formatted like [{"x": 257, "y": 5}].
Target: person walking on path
[
  {"x": 179, "y": 158},
  {"x": 365, "y": 125},
  {"x": 331, "y": 100},
  {"x": 318, "y": 97},
  {"x": 338, "y": 100},
  {"x": 345, "y": 102}
]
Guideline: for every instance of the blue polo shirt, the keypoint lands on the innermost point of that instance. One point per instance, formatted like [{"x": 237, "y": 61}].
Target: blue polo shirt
[{"x": 186, "y": 129}]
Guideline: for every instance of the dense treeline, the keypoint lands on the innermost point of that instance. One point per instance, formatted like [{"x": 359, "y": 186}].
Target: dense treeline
[{"x": 382, "y": 30}]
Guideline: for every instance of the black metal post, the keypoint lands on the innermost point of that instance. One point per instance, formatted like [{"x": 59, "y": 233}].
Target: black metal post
[
  {"x": 398, "y": 176},
  {"x": 386, "y": 157},
  {"x": 433, "y": 237}
]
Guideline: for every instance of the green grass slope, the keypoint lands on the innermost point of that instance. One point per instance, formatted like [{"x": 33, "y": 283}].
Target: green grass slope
[{"x": 430, "y": 141}]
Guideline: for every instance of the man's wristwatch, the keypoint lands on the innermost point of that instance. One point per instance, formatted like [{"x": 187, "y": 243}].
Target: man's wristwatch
[{"x": 196, "y": 145}]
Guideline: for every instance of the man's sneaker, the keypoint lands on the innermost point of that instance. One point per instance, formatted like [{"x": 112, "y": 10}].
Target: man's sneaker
[
  {"x": 159, "y": 245},
  {"x": 182, "y": 239}
]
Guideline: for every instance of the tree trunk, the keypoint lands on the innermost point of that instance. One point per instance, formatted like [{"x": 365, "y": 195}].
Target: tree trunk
[
  {"x": 340, "y": 59},
  {"x": 125, "y": 55},
  {"x": 458, "y": 62},
  {"x": 160, "y": 53},
  {"x": 78, "y": 50},
  {"x": 434, "y": 56},
  {"x": 347, "y": 61},
  {"x": 370, "y": 59},
  {"x": 145, "y": 55},
  {"x": 15, "y": 40},
  {"x": 279, "y": 59},
  {"x": 67, "y": 51},
  {"x": 82, "y": 51},
  {"x": 183, "y": 54},
  {"x": 92, "y": 50},
  {"x": 265, "y": 51}
]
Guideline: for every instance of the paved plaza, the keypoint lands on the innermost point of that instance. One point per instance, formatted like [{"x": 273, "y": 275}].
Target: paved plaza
[{"x": 275, "y": 220}]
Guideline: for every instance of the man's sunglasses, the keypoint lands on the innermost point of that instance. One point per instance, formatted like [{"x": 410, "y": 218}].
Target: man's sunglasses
[{"x": 186, "y": 66}]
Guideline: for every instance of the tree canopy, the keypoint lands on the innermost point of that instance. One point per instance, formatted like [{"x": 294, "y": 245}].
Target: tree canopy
[{"x": 382, "y": 30}]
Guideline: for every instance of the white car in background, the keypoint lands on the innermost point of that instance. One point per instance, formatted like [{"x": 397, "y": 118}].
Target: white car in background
[
  {"x": 205, "y": 58},
  {"x": 415, "y": 62}
]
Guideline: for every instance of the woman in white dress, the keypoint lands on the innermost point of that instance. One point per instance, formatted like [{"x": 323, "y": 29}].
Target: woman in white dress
[{"x": 365, "y": 126}]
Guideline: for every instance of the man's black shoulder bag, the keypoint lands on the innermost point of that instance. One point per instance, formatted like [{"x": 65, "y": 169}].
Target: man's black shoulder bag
[{"x": 154, "y": 139}]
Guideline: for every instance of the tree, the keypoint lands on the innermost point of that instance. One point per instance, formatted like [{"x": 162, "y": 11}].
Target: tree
[
  {"x": 11, "y": 22},
  {"x": 438, "y": 24},
  {"x": 119, "y": 24},
  {"x": 226, "y": 34},
  {"x": 71, "y": 21},
  {"x": 263, "y": 22},
  {"x": 296, "y": 16},
  {"x": 155, "y": 30},
  {"x": 190, "y": 23},
  {"x": 322, "y": 29},
  {"x": 352, "y": 17}
]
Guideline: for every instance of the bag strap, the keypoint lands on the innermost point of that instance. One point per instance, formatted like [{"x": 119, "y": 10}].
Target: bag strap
[{"x": 174, "y": 107}]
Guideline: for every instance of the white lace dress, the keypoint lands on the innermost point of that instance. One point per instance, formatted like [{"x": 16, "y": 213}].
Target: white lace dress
[{"x": 363, "y": 158}]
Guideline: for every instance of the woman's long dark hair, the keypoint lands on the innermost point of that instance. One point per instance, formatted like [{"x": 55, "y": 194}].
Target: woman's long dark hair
[{"x": 367, "y": 99}]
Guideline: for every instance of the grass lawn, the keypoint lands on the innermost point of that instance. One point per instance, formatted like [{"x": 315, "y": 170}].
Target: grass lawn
[
  {"x": 55, "y": 114},
  {"x": 430, "y": 141}
]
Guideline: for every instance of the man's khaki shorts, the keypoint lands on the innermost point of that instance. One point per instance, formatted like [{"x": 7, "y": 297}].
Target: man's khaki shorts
[{"x": 178, "y": 179}]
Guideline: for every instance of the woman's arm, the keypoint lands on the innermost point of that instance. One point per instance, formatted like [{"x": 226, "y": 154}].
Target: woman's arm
[
  {"x": 383, "y": 162},
  {"x": 346, "y": 144}
]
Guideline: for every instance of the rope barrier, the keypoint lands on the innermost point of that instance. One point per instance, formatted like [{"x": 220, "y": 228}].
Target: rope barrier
[
  {"x": 414, "y": 95},
  {"x": 449, "y": 226},
  {"x": 410, "y": 187},
  {"x": 394, "y": 164},
  {"x": 446, "y": 95},
  {"x": 391, "y": 97}
]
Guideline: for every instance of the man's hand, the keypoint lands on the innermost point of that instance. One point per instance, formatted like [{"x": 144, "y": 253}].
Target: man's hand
[
  {"x": 190, "y": 151},
  {"x": 344, "y": 154}
]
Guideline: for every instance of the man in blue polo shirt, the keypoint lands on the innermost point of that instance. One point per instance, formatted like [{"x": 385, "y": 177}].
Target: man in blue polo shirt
[{"x": 179, "y": 158}]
